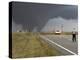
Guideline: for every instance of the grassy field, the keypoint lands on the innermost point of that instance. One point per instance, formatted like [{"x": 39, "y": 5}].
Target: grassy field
[{"x": 31, "y": 45}]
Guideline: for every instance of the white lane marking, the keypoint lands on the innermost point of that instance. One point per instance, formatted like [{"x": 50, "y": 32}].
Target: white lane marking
[{"x": 58, "y": 45}]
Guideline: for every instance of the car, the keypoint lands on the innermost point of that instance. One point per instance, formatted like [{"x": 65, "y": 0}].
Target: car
[{"x": 57, "y": 32}]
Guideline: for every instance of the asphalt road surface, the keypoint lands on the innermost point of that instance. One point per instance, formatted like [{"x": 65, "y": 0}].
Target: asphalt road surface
[{"x": 62, "y": 43}]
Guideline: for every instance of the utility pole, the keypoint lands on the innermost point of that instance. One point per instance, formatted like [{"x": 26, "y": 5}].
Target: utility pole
[{"x": 62, "y": 28}]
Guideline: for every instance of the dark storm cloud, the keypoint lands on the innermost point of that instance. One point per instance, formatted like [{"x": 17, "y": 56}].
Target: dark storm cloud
[{"x": 30, "y": 15}]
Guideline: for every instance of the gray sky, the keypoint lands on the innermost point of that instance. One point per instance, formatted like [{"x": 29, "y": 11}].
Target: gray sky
[
  {"x": 34, "y": 16},
  {"x": 68, "y": 25}
]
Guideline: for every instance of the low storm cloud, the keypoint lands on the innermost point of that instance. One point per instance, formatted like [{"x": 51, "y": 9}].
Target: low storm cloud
[{"x": 37, "y": 16}]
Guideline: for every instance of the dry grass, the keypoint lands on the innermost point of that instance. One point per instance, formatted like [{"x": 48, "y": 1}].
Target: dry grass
[{"x": 30, "y": 45}]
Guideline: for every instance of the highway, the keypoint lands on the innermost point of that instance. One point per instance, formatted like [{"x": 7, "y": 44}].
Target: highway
[{"x": 62, "y": 43}]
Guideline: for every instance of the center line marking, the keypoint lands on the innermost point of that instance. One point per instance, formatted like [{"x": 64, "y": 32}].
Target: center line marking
[{"x": 58, "y": 45}]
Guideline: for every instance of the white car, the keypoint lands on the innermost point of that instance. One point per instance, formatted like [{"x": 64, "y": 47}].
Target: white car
[{"x": 57, "y": 32}]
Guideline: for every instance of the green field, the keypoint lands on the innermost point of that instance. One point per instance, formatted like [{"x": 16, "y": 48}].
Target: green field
[{"x": 31, "y": 45}]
